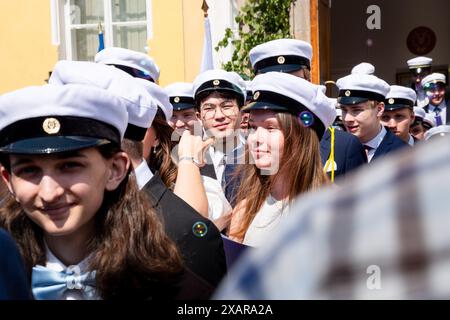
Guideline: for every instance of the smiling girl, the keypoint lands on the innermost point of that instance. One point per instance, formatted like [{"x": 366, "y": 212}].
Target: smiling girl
[
  {"x": 287, "y": 118},
  {"x": 82, "y": 226}
]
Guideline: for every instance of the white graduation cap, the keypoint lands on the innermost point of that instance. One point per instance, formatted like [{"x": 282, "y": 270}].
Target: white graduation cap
[
  {"x": 282, "y": 92},
  {"x": 181, "y": 95},
  {"x": 220, "y": 81},
  {"x": 52, "y": 119},
  {"x": 129, "y": 58},
  {"x": 282, "y": 55},
  {"x": 140, "y": 105},
  {"x": 399, "y": 97}
]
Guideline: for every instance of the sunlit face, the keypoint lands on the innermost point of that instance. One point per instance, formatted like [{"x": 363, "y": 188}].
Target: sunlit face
[
  {"x": 398, "y": 122},
  {"x": 60, "y": 193},
  {"x": 265, "y": 140},
  {"x": 184, "y": 120},
  {"x": 363, "y": 119},
  {"x": 220, "y": 117}
]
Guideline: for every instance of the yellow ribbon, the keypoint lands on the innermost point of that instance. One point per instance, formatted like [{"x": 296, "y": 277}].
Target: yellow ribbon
[{"x": 331, "y": 157}]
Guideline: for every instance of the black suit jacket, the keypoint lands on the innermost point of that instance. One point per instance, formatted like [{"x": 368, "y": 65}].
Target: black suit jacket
[
  {"x": 389, "y": 144},
  {"x": 205, "y": 255},
  {"x": 13, "y": 278},
  {"x": 349, "y": 153}
]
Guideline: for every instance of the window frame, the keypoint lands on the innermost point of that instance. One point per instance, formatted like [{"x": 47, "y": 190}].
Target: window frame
[{"x": 65, "y": 27}]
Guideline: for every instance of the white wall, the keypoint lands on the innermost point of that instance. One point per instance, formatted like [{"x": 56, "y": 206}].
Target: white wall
[
  {"x": 221, "y": 16},
  {"x": 389, "y": 51}
]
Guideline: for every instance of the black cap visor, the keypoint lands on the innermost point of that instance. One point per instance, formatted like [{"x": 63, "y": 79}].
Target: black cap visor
[{"x": 53, "y": 144}]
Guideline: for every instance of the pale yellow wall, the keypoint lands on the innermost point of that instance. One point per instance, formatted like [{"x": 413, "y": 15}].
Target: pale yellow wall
[
  {"x": 166, "y": 46},
  {"x": 193, "y": 37},
  {"x": 26, "y": 54},
  {"x": 177, "y": 39}
]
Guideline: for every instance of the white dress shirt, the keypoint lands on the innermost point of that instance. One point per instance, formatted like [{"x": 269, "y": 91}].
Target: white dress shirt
[{"x": 143, "y": 174}]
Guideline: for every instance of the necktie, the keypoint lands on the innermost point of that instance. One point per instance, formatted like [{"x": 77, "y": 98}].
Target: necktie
[
  {"x": 367, "y": 149},
  {"x": 437, "y": 116},
  {"x": 48, "y": 284}
]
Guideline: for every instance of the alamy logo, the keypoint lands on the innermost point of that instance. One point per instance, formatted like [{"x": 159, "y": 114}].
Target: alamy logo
[
  {"x": 374, "y": 280},
  {"x": 374, "y": 20}
]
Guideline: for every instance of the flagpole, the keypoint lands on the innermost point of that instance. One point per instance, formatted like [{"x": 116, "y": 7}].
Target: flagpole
[
  {"x": 207, "y": 56},
  {"x": 101, "y": 42}
]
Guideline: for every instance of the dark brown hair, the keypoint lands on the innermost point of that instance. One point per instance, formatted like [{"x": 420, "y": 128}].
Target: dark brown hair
[
  {"x": 160, "y": 157},
  {"x": 130, "y": 249}
]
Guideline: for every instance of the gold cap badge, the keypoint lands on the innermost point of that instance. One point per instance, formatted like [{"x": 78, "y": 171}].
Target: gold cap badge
[
  {"x": 176, "y": 99},
  {"x": 347, "y": 93},
  {"x": 256, "y": 95},
  {"x": 51, "y": 125},
  {"x": 391, "y": 101},
  {"x": 281, "y": 60},
  {"x": 216, "y": 82}
]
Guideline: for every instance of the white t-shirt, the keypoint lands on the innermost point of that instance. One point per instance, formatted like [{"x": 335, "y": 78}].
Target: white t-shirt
[{"x": 266, "y": 222}]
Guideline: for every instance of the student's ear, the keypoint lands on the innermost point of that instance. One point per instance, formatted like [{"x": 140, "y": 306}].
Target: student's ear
[
  {"x": 6, "y": 177},
  {"x": 120, "y": 163},
  {"x": 380, "y": 109}
]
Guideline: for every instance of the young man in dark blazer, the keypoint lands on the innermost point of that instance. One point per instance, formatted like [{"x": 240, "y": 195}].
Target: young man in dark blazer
[
  {"x": 439, "y": 99},
  {"x": 361, "y": 97}
]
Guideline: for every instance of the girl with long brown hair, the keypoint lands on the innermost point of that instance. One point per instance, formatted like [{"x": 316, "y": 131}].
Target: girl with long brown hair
[
  {"x": 83, "y": 228},
  {"x": 287, "y": 118}
]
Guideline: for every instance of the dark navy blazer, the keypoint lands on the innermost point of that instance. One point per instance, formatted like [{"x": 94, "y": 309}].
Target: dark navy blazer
[
  {"x": 349, "y": 153},
  {"x": 13, "y": 278}
]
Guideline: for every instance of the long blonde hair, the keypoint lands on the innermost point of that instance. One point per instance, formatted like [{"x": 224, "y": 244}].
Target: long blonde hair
[{"x": 301, "y": 156}]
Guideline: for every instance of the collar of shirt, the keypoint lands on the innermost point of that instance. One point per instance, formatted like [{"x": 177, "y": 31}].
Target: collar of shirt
[
  {"x": 441, "y": 106},
  {"x": 411, "y": 141},
  {"x": 143, "y": 174},
  {"x": 53, "y": 263},
  {"x": 375, "y": 142}
]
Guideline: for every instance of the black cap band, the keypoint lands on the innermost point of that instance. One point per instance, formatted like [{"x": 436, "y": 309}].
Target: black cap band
[
  {"x": 281, "y": 60},
  {"x": 396, "y": 103},
  {"x": 221, "y": 85},
  {"x": 56, "y": 126},
  {"x": 178, "y": 99},
  {"x": 369, "y": 95},
  {"x": 268, "y": 100},
  {"x": 182, "y": 103},
  {"x": 134, "y": 132}
]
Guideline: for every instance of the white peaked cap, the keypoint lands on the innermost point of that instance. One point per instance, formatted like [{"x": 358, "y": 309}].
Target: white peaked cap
[
  {"x": 283, "y": 92},
  {"x": 129, "y": 58},
  {"x": 158, "y": 95},
  {"x": 140, "y": 105}
]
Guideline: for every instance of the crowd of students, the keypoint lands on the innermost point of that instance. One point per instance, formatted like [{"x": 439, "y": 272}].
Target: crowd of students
[{"x": 117, "y": 188}]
